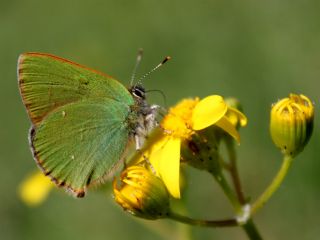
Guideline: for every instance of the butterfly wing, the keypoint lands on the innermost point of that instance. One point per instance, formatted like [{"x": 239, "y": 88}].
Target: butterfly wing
[
  {"x": 80, "y": 143},
  {"x": 79, "y": 118},
  {"x": 47, "y": 82}
]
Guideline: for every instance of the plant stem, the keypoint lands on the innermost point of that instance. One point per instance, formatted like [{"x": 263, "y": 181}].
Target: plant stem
[
  {"x": 249, "y": 227},
  {"x": 251, "y": 230},
  {"x": 234, "y": 170},
  {"x": 203, "y": 223},
  {"x": 275, "y": 184},
  {"x": 228, "y": 191}
]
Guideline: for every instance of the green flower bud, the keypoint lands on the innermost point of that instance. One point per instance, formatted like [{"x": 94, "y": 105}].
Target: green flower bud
[
  {"x": 202, "y": 150},
  {"x": 141, "y": 193},
  {"x": 291, "y": 123}
]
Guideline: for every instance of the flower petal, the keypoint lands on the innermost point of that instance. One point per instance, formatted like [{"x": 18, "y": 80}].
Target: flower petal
[
  {"x": 154, "y": 154},
  {"x": 165, "y": 159},
  {"x": 208, "y": 111},
  {"x": 151, "y": 144},
  {"x": 236, "y": 116},
  {"x": 227, "y": 126}
]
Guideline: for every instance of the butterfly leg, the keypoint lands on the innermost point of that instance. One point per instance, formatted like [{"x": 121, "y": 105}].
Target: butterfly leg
[
  {"x": 138, "y": 141},
  {"x": 150, "y": 121},
  {"x": 148, "y": 163}
]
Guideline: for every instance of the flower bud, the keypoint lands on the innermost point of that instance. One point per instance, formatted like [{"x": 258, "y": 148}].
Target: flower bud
[
  {"x": 141, "y": 193},
  {"x": 201, "y": 150},
  {"x": 291, "y": 123}
]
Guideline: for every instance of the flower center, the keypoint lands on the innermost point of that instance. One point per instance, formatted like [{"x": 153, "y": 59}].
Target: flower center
[{"x": 178, "y": 123}]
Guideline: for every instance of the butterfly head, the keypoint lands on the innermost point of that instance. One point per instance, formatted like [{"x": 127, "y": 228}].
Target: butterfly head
[{"x": 138, "y": 92}]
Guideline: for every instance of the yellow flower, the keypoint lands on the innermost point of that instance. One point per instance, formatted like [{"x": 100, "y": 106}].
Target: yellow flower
[
  {"x": 35, "y": 189},
  {"x": 141, "y": 193},
  {"x": 189, "y": 116}
]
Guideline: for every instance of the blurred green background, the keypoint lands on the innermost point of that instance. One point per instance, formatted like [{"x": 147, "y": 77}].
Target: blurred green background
[{"x": 257, "y": 51}]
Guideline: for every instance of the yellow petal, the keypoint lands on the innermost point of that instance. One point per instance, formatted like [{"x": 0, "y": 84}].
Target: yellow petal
[
  {"x": 227, "y": 126},
  {"x": 165, "y": 159},
  {"x": 151, "y": 144},
  {"x": 154, "y": 154},
  {"x": 208, "y": 111},
  {"x": 236, "y": 116},
  {"x": 35, "y": 189}
]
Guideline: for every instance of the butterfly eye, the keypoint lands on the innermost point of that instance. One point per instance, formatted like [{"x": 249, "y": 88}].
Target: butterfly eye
[{"x": 139, "y": 92}]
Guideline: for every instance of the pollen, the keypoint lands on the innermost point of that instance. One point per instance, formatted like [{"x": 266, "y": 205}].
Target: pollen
[{"x": 178, "y": 123}]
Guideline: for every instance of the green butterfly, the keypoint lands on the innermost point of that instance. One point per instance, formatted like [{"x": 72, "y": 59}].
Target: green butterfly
[{"x": 82, "y": 120}]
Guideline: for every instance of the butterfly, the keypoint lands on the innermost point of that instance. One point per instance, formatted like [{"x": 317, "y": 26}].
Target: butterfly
[{"x": 82, "y": 120}]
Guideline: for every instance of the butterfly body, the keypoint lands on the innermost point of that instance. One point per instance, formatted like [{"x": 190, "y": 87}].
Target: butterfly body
[{"x": 82, "y": 120}]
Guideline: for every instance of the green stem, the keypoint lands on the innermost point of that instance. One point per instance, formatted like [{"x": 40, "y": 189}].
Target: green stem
[
  {"x": 275, "y": 184},
  {"x": 251, "y": 230},
  {"x": 228, "y": 191},
  {"x": 203, "y": 223},
  {"x": 234, "y": 170},
  {"x": 249, "y": 227}
]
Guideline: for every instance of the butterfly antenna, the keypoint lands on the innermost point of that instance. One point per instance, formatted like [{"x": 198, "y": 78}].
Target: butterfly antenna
[
  {"x": 155, "y": 68},
  {"x": 139, "y": 58}
]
